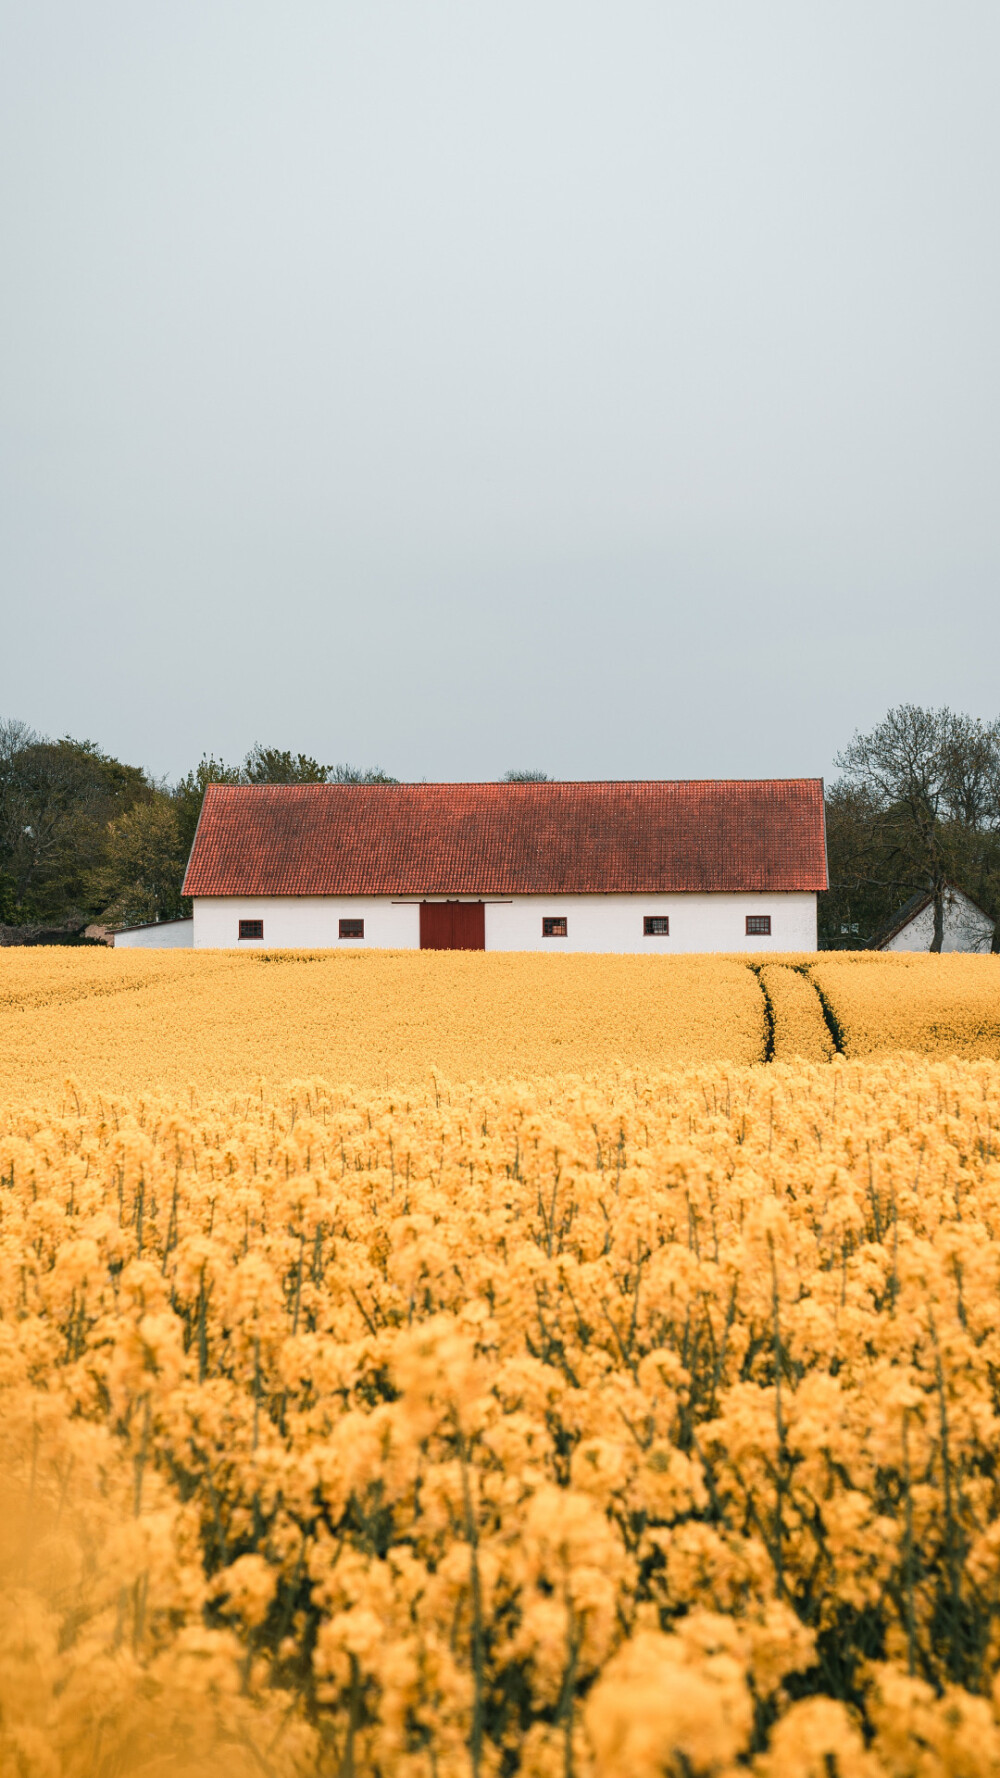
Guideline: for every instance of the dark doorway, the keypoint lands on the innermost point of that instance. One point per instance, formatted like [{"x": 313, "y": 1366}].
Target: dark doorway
[{"x": 452, "y": 926}]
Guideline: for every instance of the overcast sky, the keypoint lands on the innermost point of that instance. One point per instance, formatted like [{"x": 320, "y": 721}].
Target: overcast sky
[{"x": 610, "y": 388}]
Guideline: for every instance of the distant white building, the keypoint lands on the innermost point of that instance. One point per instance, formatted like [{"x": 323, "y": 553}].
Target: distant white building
[
  {"x": 159, "y": 935},
  {"x": 718, "y": 865},
  {"x": 967, "y": 927}
]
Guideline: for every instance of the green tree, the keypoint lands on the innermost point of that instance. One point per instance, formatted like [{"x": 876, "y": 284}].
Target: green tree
[
  {"x": 56, "y": 800},
  {"x": 918, "y": 808},
  {"x": 8, "y": 902},
  {"x": 272, "y": 765},
  {"x": 526, "y": 777},
  {"x": 140, "y": 875},
  {"x": 346, "y": 774}
]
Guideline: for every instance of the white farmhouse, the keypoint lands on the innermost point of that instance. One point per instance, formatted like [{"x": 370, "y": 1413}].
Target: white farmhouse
[
  {"x": 718, "y": 865},
  {"x": 966, "y": 926}
]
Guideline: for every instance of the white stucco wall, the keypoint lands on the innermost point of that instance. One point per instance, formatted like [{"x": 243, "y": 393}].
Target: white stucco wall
[
  {"x": 306, "y": 922},
  {"x": 966, "y": 927},
  {"x": 614, "y": 923},
  {"x": 595, "y": 922},
  {"x": 165, "y": 936}
]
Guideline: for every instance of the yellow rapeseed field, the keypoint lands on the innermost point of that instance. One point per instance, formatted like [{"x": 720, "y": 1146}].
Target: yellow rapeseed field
[
  {"x": 936, "y": 1005},
  {"x": 798, "y": 1024},
  {"x": 132, "y": 1021},
  {"x": 636, "y": 1415},
  {"x": 124, "y": 1021},
  {"x": 616, "y": 1427}
]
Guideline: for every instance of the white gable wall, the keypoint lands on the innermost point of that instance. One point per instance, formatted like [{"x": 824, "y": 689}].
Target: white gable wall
[
  {"x": 966, "y": 927},
  {"x": 595, "y": 922}
]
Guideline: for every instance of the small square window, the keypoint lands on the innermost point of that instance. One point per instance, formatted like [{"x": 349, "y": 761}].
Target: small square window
[
  {"x": 655, "y": 926},
  {"x": 352, "y": 929},
  {"x": 758, "y": 925},
  {"x": 554, "y": 926},
  {"x": 251, "y": 928}
]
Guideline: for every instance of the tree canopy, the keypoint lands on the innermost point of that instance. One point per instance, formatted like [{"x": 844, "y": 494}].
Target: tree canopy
[
  {"x": 57, "y": 800},
  {"x": 917, "y": 808}
]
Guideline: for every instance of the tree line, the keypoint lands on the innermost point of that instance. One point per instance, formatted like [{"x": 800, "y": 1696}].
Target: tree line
[{"x": 85, "y": 837}]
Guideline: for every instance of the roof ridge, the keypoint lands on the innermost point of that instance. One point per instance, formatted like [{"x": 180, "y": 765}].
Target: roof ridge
[{"x": 514, "y": 785}]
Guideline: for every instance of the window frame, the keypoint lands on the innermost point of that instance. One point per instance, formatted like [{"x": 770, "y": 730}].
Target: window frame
[
  {"x": 555, "y": 925},
  {"x": 651, "y": 924},
  {"x": 245, "y": 933},
  {"x": 758, "y": 926},
  {"x": 350, "y": 920}
]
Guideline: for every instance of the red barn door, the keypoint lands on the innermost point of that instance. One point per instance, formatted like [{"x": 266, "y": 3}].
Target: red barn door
[{"x": 452, "y": 926}]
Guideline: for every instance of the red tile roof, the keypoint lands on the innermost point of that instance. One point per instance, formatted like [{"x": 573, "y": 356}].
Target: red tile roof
[{"x": 510, "y": 839}]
